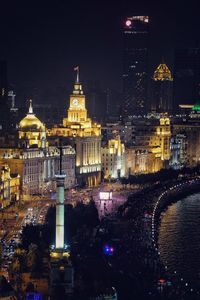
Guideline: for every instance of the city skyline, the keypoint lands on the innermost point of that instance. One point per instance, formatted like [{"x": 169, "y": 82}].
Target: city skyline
[
  {"x": 99, "y": 140},
  {"x": 42, "y": 42}
]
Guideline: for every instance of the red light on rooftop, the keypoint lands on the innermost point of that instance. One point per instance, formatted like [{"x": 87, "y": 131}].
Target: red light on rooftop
[{"x": 162, "y": 280}]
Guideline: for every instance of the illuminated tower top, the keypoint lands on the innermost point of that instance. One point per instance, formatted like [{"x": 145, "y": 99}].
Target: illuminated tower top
[
  {"x": 162, "y": 73},
  {"x": 31, "y": 121},
  {"x": 77, "y": 122},
  {"x": 31, "y": 130},
  {"x": 77, "y": 111},
  {"x": 131, "y": 21}
]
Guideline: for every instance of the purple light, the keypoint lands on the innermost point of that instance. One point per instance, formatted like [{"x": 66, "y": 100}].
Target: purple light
[
  {"x": 128, "y": 23},
  {"x": 108, "y": 250}
]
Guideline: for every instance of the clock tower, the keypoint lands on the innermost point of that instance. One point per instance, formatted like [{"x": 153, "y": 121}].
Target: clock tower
[
  {"x": 77, "y": 111},
  {"x": 84, "y": 134}
]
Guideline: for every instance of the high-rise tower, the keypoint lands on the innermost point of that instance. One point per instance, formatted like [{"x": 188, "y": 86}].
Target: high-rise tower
[
  {"x": 135, "y": 64},
  {"x": 162, "y": 89},
  {"x": 4, "y": 109},
  {"x": 187, "y": 76}
]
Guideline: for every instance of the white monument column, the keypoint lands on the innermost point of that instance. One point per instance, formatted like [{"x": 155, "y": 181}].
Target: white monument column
[{"x": 60, "y": 210}]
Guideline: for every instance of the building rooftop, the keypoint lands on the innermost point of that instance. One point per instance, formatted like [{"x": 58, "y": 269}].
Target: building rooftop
[{"x": 162, "y": 73}]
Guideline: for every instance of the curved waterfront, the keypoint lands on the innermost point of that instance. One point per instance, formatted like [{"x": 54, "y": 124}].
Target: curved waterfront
[{"x": 179, "y": 238}]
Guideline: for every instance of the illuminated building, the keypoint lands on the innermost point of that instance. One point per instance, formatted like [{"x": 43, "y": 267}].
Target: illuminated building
[
  {"x": 113, "y": 159},
  {"x": 164, "y": 134},
  {"x": 9, "y": 186},
  {"x": 37, "y": 167},
  {"x": 162, "y": 90},
  {"x": 186, "y": 75},
  {"x": 187, "y": 131},
  {"x": 141, "y": 160},
  {"x": 135, "y": 63},
  {"x": 32, "y": 132},
  {"x": 85, "y": 135},
  {"x": 150, "y": 151},
  {"x": 34, "y": 161},
  {"x": 154, "y": 133},
  {"x": 147, "y": 143},
  {"x": 178, "y": 149}
]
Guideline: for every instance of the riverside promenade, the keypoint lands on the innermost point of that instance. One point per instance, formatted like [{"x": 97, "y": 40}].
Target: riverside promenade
[{"x": 142, "y": 265}]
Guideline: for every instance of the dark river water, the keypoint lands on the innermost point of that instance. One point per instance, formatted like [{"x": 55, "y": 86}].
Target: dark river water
[{"x": 179, "y": 238}]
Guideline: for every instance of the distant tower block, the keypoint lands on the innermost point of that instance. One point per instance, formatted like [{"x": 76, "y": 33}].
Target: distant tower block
[
  {"x": 60, "y": 211},
  {"x": 162, "y": 90}
]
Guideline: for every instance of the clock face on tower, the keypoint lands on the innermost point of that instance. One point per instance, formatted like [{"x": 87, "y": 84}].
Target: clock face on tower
[{"x": 75, "y": 101}]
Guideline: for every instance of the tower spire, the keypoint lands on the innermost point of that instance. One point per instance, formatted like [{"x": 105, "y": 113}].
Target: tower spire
[
  {"x": 77, "y": 73},
  {"x": 30, "y": 111}
]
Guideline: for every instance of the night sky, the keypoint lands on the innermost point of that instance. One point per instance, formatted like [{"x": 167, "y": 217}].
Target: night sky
[{"x": 43, "y": 40}]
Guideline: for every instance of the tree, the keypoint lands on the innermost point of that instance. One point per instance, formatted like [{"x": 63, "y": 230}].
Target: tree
[{"x": 30, "y": 287}]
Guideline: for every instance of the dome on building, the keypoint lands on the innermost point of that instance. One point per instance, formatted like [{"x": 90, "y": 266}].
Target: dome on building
[
  {"x": 31, "y": 121},
  {"x": 162, "y": 73}
]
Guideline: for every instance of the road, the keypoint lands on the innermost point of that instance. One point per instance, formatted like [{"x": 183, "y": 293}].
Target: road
[
  {"x": 34, "y": 211},
  {"x": 119, "y": 196}
]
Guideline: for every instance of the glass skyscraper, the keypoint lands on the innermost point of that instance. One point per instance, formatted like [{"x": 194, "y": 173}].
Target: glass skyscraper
[
  {"x": 187, "y": 76},
  {"x": 135, "y": 64}
]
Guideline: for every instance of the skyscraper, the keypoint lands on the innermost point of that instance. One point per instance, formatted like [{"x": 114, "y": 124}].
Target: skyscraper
[
  {"x": 4, "y": 110},
  {"x": 162, "y": 86},
  {"x": 187, "y": 76},
  {"x": 135, "y": 63}
]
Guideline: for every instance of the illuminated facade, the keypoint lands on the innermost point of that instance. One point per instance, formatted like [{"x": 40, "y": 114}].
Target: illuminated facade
[
  {"x": 155, "y": 133},
  {"x": 85, "y": 135},
  {"x": 32, "y": 132},
  {"x": 34, "y": 161},
  {"x": 113, "y": 159},
  {"x": 141, "y": 160},
  {"x": 147, "y": 143},
  {"x": 164, "y": 134},
  {"x": 9, "y": 186},
  {"x": 178, "y": 148},
  {"x": 135, "y": 64},
  {"x": 187, "y": 131},
  {"x": 162, "y": 90},
  {"x": 37, "y": 167}
]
